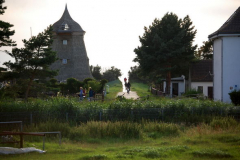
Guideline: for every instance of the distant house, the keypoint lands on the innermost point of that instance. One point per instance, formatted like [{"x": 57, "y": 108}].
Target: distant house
[
  {"x": 226, "y": 58},
  {"x": 201, "y": 78},
  {"x": 177, "y": 87}
]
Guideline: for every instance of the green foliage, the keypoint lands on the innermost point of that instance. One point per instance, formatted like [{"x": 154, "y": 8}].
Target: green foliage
[
  {"x": 135, "y": 75},
  {"x": 73, "y": 85},
  {"x": 5, "y": 29},
  {"x": 205, "y": 51},
  {"x": 33, "y": 61},
  {"x": 166, "y": 47},
  {"x": 223, "y": 123},
  {"x": 112, "y": 74},
  {"x": 114, "y": 88},
  {"x": 192, "y": 92},
  {"x": 94, "y": 157},
  {"x": 96, "y": 72},
  {"x": 235, "y": 97},
  {"x": 96, "y": 86},
  {"x": 211, "y": 153},
  {"x": 182, "y": 110}
]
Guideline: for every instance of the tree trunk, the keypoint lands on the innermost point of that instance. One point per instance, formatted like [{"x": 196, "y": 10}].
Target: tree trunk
[{"x": 28, "y": 87}]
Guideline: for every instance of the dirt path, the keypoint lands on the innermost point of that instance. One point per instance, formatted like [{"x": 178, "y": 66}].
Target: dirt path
[{"x": 130, "y": 95}]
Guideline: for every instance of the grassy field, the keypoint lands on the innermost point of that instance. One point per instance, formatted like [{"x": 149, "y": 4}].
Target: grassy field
[
  {"x": 143, "y": 90},
  {"x": 201, "y": 142},
  {"x": 141, "y": 140},
  {"x": 114, "y": 88}
]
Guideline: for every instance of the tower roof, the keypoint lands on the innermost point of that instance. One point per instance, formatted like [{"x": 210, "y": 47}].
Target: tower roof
[
  {"x": 66, "y": 24},
  {"x": 231, "y": 26}
]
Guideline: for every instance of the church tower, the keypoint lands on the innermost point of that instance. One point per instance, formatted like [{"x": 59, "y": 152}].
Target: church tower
[{"x": 69, "y": 44}]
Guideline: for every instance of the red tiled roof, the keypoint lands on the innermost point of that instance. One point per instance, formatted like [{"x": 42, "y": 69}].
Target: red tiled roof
[{"x": 231, "y": 26}]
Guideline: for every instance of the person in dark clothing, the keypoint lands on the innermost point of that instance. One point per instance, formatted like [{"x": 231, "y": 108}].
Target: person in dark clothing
[
  {"x": 128, "y": 87},
  {"x": 90, "y": 94}
]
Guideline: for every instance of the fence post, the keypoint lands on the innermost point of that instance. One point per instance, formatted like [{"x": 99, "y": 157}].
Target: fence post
[
  {"x": 132, "y": 114},
  {"x": 31, "y": 118},
  {"x": 162, "y": 114},
  {"x": 67, "y": 117},
  {"x": 100, "y": 116}
]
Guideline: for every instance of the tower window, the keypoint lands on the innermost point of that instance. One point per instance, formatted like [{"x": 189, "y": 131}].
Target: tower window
[
  {"x": 64, "y": 27},
  {"x": 64, "y": 61},
  {"x": 64, "y": 42}
]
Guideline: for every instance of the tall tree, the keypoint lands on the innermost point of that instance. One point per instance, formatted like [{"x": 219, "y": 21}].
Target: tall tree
[
  {"x": 5, "y": 31},
  {"x": 34, "y": 59},
  {"x": 166, "y": 47},
  {"x": 96, "y": 72},
  {"x": 205, "y": 51}
]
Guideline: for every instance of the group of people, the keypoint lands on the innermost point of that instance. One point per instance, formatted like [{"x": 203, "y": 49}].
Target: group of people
[
  {"x": 82, "y": 94},
  {"x": 127, "y": 85}
]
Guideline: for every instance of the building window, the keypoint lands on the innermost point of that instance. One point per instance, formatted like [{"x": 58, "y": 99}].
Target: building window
[
  {"x": 200, "y": 89},
  {"x": 64, "y": 27},
  {"x": 64, "y": 61},
  {"x": 64, "y": 42}
]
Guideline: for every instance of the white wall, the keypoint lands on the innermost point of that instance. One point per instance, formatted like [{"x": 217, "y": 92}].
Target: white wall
[
  {"x": 217, "y": 69},
  {"x": 231, "y": 65},
  {"x": 204, "y": 84},
  {"x": 181, "y": 87}
]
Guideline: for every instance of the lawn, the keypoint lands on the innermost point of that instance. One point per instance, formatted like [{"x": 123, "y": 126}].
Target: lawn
[
  {"x": 202, "y": 142},
  {"x": 143, "y": 90},
  {"x": 114, "y": 88}
]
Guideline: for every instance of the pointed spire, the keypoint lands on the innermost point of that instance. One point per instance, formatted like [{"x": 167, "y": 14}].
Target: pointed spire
[
  {"x": 66, "y": 6},
  {"x": 66, "y": 19}
]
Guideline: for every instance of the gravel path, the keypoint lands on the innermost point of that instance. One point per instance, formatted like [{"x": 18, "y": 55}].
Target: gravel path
[{"x": 130, "y": 95}]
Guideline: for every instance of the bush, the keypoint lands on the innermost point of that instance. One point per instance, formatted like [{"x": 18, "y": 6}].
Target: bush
[{"x": 235, "y": 97}]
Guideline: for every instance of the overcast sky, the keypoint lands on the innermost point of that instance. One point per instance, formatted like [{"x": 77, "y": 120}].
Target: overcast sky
[{"x": 113, "y": 27}]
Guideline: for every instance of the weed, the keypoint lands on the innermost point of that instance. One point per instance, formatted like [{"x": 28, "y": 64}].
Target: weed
[
  {"x": 94, "y": 157},
  {"x": 211, "y": 153}
]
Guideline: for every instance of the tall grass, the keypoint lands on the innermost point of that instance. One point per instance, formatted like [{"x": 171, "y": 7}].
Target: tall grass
[
  {"x": 95, "y": 140},
  {"x": 104, "y": 130},
  {"x": 70, "y": 109}
]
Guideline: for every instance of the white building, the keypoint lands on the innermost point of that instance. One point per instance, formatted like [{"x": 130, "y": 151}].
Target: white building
[
  {"x": 226, "y": 58},
  {"x": 201, "y": 78},
  {"x": 177, "y": 87}
]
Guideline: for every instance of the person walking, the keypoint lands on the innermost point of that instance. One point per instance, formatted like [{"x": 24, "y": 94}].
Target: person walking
[
  {"x": 90, "y": 94},
  {"x": 128, "y": 87},
  {"x": 81, "y": 94}
]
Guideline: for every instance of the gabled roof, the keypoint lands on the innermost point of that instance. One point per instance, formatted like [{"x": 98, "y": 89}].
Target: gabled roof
[
  {"x": 201, "y": 71},
  {"x": 66, "y": 20},
  {"x": 231, "y": 26}
]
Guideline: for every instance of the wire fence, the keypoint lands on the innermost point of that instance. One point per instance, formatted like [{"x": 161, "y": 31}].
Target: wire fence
[{"x": 125, "y": 114}]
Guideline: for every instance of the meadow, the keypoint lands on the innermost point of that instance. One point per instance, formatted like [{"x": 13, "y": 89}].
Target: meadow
[
  {"x": 158, "y": 128},
  {"x": 146, "y": 140}
]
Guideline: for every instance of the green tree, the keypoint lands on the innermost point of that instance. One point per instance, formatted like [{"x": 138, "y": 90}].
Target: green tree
[
  {"x": 166, "y": 47},
  {"x": 96, "y": 72},
  {"x": 73, "y": 85},
  {"x": 112, "y": 74},
  {"x": 205, "y": 51},
  {"x": 33, "y": 61},
  {"x": 5, "y": 29}
]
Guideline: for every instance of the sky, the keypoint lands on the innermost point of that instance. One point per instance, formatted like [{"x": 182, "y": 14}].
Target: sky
[{"x": 112, "y": 27}]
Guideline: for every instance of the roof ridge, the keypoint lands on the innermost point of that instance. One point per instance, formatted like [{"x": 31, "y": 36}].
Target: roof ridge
[{"x": 231, "y": 26}]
